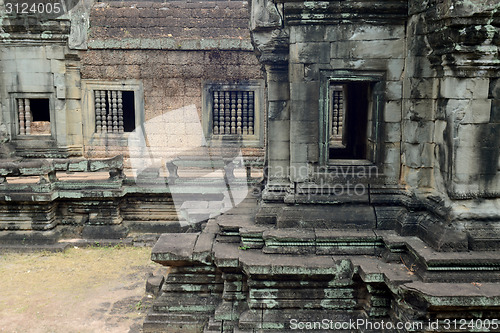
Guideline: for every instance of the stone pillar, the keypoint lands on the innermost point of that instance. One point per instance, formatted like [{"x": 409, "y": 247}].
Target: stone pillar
[
  {"x": 278, "y": 124},
  {"x": 271, "y": 43}
]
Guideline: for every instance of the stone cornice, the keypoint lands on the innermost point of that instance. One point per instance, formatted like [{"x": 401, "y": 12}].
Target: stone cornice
[
  {"x": 463, "y": 37},
  {"x": 335, "y": 12}
]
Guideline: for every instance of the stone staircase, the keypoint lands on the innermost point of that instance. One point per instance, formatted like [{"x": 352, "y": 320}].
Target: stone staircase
[{"x": 241, "y": 276}]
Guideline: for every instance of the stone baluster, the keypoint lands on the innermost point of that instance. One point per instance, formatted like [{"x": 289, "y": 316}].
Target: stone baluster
[
  {"x": 215, "y": 112},
  {"x": 251, "y": 112},
  {"x": 245, "y": 113},
  {"x": 227, "y": 113},
  {"x": 27, "y": 116},
  {"x": 114, "y": 110},
  {"x": 120, "y": 112},
  {"x": 221, "y": 113},
  {"x": 109, "y": 113},
  {"x": 20, "y": 105},
  {"x": 104, "y": 127},
  {"x": 233, "y": 112},
  {"x": 239, "y": 113},
  {"x": 337, "y": 115},
  {"x": 97, "y": 103}
]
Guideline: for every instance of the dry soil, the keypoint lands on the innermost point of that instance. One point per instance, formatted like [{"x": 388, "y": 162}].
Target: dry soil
[{"x": 91, "y": 289}]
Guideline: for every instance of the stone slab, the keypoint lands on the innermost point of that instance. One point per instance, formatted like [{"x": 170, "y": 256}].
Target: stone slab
[
  {"x": 328, "y": 216},
  {"x": 456, "y": 294},
  {"x": 174, "y": 249}
]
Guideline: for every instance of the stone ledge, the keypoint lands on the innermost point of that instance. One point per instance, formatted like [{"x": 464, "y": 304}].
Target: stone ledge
[
  {"x": 174, "y": 249},
  {"x": 456, "y": 294}
]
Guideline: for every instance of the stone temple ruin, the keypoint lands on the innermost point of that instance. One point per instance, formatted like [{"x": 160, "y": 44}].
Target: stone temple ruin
[{"x": 374, "y": 125}]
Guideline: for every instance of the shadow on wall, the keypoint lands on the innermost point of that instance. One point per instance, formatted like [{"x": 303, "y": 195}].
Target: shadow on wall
[{"x": 216, "y": 178}]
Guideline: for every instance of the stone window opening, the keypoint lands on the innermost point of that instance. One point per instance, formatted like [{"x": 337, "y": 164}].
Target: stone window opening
[
  {"x": 111, "y": 111},
  {"x": 33, "y": 116},
  {"x": 351, "y": 116},
  {"x": 231, "y": 113},
  {"x": 114, "y": 111},
  {"x": 348, "y": 118}
]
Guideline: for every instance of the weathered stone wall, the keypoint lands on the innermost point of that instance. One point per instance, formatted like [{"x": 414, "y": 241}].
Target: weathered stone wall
[
  {"x": 172, "y": 79},
  {"x": 165, "y": 53},
  {"x": 172, "y": 49},
  {"x": 432, "y": 69},
  {"x": 356, "y": 48},
  {"x": 450, "y": 86},
  {"x": 450, "y": 128},
  {"x": 39, "y": 59},
  {"x": 319, "y": 43},
  {"x": 42, "y": 71}
]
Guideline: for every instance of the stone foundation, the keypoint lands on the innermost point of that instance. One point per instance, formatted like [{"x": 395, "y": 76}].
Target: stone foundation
[{"x": 241, "y": 276}]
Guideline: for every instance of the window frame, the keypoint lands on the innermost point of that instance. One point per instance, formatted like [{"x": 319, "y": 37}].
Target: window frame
[
  {"x": 248, "y": 140},
  {"x": 375, "y": 110},
  {"x": 15, "y": 124},
  {"x": 91, "y": 136}
]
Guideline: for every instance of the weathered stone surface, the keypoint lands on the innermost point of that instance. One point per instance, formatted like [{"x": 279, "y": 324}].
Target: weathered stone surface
[
  {"x": 341, "y": 216},
  {"x": 154, "y": 284},
  {"x": 104, "y": 232},
  {"x": 174, "y": 249}
]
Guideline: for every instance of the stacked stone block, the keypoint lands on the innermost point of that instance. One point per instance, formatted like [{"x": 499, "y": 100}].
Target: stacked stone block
[
  {"x": 173, "y": 49},
  {"x": 42, "y": 72}
]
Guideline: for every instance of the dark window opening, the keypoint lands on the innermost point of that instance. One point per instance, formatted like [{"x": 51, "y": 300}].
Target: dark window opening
[
  {"x": 128, "y": 111},
  {"x": 114, "y": 111},
  {"x": 33, "y": 116},
  {"x": 40, "y": 109},
  {"x": 233, "y": 112},
  {"x": 348, "y": 114}
]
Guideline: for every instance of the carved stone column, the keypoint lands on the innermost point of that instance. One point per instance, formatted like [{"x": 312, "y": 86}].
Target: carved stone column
[{"x": 271, "y": 42}]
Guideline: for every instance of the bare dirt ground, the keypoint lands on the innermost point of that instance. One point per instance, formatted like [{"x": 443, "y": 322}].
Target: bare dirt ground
[{"x": 91, "y": 289}]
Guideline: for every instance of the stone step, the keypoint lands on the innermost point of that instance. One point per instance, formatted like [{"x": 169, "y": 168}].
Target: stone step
[
  {"x": 171, "y": 326},
  {"x": 155, "y": 226},
  {"x": 320, "y": 304},
  {"x": 304, "y": 293},
  {"x": 280, "y": 320},
  {"x": 432, "y": 265},
  {"x": 29, "y": 237},
  {"x": 348, "y": 216},
  {"x": 465, "y": 296},
  {"x": 213, "y": 326},
  {"x": 185, "y": 303},
  {"x": 33, "y": 248}
]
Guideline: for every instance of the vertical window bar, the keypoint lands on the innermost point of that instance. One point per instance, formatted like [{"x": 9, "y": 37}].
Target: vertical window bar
[
  {"x": 222, "y": 114},
  {"x": 27, "y": 116},
  {"x": 109, "y": 112},
  {"x": 227, "y": 113},
  {"x": 114, "y": 110},
  {"x": 245, "y": 112},
  {"x": 337, "y": 116},
  {"x": 215, "y": 114},
  {"x": 239, "y": 113},
  {"x": 251, "y": 111},
  {"x": 120, "y": 112},
  {"x": 232, "y": 112},
  {"x": 104, "y": 127},
  {"x": 97, "y": 101},
  {"x": 20, "y": 106}
]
